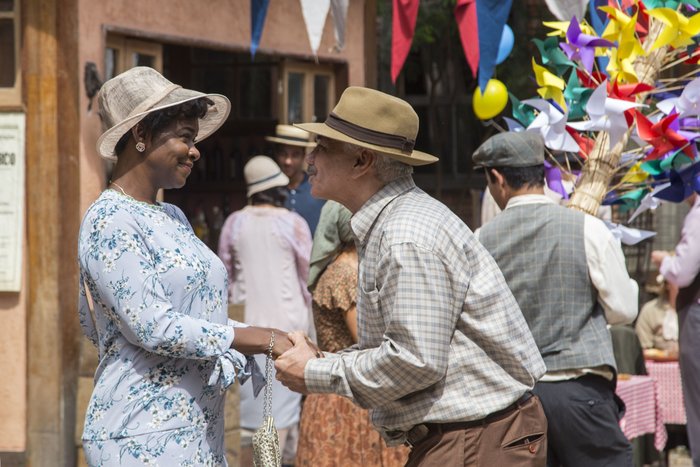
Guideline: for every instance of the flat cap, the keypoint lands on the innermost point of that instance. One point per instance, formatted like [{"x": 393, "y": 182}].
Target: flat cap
[{"x": 510, "y": 149}]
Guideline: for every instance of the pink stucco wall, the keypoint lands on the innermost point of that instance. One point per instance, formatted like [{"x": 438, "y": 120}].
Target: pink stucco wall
[{"x": 220, "y": 23}]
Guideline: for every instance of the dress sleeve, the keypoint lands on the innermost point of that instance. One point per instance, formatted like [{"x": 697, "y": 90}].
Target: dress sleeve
[
  {"x": 87, "y": 322},
  {"x": 124, "y": 278}
]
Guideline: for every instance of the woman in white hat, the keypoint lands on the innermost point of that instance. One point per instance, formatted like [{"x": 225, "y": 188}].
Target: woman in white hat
[
  {"x": 153, "y": 296},
  {"x": 266, "y": 249}
]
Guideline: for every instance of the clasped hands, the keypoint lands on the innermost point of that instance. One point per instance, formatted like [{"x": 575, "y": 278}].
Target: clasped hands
[{"x": 291, "y": 363}]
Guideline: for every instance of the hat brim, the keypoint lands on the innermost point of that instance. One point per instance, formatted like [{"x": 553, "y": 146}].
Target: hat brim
[
  {"x": 290, "y": 142},
  {"x": 280, "y": 180},
  {"x": 414, "y": 158},
  {"x": 215, "y": 117}
]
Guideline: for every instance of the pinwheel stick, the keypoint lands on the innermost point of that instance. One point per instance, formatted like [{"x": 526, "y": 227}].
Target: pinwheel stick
[{"x": 602, "y": 164}]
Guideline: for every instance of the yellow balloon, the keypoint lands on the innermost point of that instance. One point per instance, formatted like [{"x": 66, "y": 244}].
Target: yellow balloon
[{"x": 492, "y": 102}]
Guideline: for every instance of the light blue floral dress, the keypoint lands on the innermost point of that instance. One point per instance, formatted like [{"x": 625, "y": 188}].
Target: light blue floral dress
[{"x": 161, "y": 328}]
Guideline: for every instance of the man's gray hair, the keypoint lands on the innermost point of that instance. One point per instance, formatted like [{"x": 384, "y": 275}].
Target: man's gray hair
[{"x": 387, "y": 168}]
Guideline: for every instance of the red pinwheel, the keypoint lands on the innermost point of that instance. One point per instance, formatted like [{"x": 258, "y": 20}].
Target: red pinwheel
[
  {"x": 661, "y": 136},
  {"x": 626, "y": 92}
]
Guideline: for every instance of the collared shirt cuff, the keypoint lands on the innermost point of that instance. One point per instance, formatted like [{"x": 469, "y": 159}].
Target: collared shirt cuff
[{"x": 317, "y": 375}]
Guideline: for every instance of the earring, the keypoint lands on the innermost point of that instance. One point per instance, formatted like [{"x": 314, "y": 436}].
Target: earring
[{"x": 140, "y": 147}]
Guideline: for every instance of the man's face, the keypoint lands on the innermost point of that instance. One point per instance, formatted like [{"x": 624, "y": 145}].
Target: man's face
[
  {"x": 290, "y": 159},
  {"x": 329, "y": 169}
]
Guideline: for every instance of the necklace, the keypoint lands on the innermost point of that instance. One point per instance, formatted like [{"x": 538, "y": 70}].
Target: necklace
[
  {"x": 120, "y": 188},
  {"x": 153, "y": 205}
]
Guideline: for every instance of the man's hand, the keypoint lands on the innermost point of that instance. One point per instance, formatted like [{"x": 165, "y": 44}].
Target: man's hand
[
  {"x": 290, "y": 366},
  {"x": 657, "y": 256}
]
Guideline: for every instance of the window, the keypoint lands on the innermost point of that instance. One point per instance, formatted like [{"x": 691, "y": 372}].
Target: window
[
  {"x": 123, "y": 53},
  {"x": 10, "y": 77},
  {"x": 309, "y": 93}
]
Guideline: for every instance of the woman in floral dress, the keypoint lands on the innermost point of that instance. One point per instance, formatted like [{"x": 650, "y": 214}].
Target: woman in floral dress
[
  {"x": 152, "y": 295},
  {"x": 333, "y": 430}
]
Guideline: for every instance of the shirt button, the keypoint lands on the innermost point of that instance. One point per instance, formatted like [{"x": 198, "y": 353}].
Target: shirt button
[{"x": 293, "y": 201}]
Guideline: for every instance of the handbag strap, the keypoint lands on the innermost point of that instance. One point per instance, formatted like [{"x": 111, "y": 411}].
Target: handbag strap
[{"x": 267, "y": 403}]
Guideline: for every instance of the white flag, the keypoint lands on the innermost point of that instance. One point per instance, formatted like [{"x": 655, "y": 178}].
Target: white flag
[
  {"x": 339, "y": 9},
  {"x": 315, "y": 13}
]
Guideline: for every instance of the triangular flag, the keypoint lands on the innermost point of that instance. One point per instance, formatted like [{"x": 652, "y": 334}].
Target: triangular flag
[
  {"x": 258, "y": 11},
  {"x": 465, "y": 14},
  {"x": 315, "y": 13},
  {"x": 491, "y": 15},
  {"x": 564, "y": 10},
  {"x": 403, "y": 26},
  {"x": 339, "y": 9}
]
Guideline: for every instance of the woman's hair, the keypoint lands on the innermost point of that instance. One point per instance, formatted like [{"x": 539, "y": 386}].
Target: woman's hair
[
  {"x": 155, "y": 122},
  {"x": 275, "y": 196}
]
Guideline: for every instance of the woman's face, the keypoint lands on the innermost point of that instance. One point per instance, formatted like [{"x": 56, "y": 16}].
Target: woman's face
[{"x": 173, "y": 153}]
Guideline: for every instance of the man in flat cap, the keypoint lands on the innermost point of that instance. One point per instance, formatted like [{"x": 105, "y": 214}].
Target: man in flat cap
[
  {"x": 290, "y": 147},
  {"x": 445, "y": 360},
  {"x": 568, "y": 274}
]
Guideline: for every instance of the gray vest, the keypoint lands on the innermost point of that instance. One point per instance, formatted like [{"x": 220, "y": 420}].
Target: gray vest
[{"x": 540, "y": 250}]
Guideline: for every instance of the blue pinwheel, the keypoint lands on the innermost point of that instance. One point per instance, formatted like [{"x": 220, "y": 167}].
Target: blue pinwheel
[{"x": 683, "y": 183}]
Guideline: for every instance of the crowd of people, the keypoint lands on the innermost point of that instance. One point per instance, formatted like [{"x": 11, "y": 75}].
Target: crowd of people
[{"x": 400, "y": 337}]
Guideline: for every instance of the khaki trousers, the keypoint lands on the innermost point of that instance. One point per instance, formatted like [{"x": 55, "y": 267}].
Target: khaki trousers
[{"x": 517, "y": 439}]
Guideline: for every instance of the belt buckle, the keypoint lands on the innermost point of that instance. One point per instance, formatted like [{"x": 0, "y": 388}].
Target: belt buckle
[{"x": 416, "y": 434}]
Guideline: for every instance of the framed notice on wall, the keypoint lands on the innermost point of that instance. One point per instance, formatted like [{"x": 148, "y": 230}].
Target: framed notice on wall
[{"x": 11, "y": 200}]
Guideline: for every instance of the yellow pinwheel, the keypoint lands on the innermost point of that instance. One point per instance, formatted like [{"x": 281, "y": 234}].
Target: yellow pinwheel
[
  {"x": 622, "y": 29},
  {"x": 559, "y": 28},
  {"x": 621, "y": 69},
  {"x": 551, "y": 86},
  {"x": 635, "y": 174},
  {"x": 678, "y": 29}
]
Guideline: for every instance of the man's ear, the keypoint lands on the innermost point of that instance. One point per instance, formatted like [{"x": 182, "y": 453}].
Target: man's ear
[
  {"x": 363, "y": 163},
  {"x": 496, "y": 177}
]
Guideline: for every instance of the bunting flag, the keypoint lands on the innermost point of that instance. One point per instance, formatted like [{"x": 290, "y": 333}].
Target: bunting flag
[
  {"x": 315, "y": 13},
  {"x": 258, "y": 11},
  {"x": 564, "y": 10},
  {"x": 339, "y": 10},
  {"x": 491, "y": 15},
  {"x": 404, "y": 15},
  {"x": 465, "y": 14}
]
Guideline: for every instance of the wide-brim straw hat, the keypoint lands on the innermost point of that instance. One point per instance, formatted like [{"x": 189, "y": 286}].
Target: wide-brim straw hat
[
  {"x": 291, "y": 136},
  {"x": 129, "y": 97},
  {"x": 262, "y": 173},
  {"x": 374, "y": 120}
]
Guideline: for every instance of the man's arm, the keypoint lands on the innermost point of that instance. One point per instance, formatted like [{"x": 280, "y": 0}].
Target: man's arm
[
  {"x": 617, "y": 292},
  {"x": 415, "y": 291},
  {"x": 681, "y": 268}
]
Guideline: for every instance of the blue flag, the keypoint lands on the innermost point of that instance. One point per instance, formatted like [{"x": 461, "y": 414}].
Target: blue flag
[
  {"x": 491, "y": 16},
  {"x": 258, "y": 11}
]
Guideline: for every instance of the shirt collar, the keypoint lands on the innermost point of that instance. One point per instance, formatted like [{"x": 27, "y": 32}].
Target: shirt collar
[
  {"x": 364, "y": 219},
  {"x": 528, "y": 199}
]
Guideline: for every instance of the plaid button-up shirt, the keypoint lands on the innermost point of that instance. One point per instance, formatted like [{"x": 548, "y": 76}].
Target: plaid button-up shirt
[{"x": 441, "y": 338}]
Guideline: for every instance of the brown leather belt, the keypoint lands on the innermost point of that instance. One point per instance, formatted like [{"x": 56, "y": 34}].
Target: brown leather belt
[{"x": 418, "y": 432}]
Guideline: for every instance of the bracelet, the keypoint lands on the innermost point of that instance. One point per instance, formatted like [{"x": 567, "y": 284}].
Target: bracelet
[{"x": 272, "y": 343}]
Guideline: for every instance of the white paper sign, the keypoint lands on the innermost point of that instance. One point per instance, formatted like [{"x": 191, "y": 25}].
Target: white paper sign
[{"x": 11, "y": 200}]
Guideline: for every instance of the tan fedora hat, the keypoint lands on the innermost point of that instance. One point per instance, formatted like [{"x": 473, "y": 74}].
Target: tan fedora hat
[
  {"x": 129, "y": 97},
  {"x": 262, "y": 173},
  {"x": 374, "y": 120},
  {"x": 292, "y": 136}
]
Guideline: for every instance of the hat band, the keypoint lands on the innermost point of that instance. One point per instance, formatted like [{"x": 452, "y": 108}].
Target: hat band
[
  {"x": 366, "y": 135},
  {"x": 292, "y": 138},
  {"x": 154, "y": 99},
  {"x": 266, "y": 179}
]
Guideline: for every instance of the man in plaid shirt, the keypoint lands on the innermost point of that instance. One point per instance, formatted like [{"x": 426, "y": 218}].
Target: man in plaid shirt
[{"x": 445, "y": 360}]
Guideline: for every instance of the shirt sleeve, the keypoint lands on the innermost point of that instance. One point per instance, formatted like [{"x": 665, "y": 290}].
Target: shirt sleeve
[
  {"x": 301, "y": 243},
  {"x": 682, "y": 268},
  {"x": 644, "y": 326},
  {"x": 617, "y": 292},
  {"x": 224, "y": 250},
  {"x": 125, "y": 282},
  {"x": 415, "y": 348}
]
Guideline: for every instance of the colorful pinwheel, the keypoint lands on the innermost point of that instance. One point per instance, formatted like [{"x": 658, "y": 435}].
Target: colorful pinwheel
[
  {"x": 580, "y": 46},
  {"x": 553, "y": 56},
  {"x": 687, "y": 104},
  {"x": 551, "y": 124},
  {"x": 682, "y": 184},
  {"x": 678, "y": 30},
  {"x": 661, "y": 136},
  {"x": 606, "y": 114},
  {"x": 551, "y": 86}
]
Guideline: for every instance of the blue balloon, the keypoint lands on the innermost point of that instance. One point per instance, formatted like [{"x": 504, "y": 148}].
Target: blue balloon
[{"x": 506, "y": 45}]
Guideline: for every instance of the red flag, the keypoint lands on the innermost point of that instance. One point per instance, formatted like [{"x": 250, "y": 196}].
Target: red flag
[
  {"x": 403, "y": 26},
  {"x": 465, "y": 14}
]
